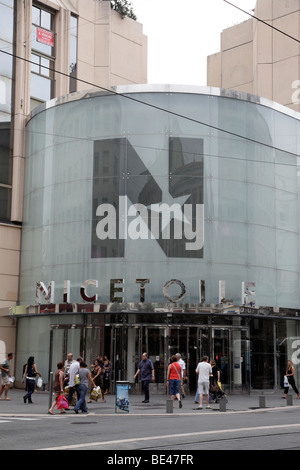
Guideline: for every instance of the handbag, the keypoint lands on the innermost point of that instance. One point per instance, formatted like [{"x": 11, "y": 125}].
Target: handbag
[
  {"x": 213, "y": 387},
  {"x": 62, "y": 402}
]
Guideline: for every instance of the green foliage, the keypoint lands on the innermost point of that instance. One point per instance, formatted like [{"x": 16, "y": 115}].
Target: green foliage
[{"x": 124, "y": 8}]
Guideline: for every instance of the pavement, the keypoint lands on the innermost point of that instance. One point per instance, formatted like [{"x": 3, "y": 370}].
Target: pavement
[{"x": 236, "y": 403}]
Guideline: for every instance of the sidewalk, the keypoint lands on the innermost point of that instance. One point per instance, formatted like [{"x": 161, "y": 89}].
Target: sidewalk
[{"x": 157, "y": 405}]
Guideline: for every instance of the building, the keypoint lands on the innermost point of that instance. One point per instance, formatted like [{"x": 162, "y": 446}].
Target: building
[
  {"x": 50, "y": 48},
  {"x": 162, "y": 218},
  {"x": 258, "y": 59},
  {"x": 157, "y": 218}
]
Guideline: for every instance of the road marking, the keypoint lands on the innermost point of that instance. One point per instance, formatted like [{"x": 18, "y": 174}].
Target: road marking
[{"x": 172, "y": 436}]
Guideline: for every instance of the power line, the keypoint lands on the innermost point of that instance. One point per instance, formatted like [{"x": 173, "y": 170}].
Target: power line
[
  {"x": 158, "y": 108},
  {"x": 262, "y": 21}
]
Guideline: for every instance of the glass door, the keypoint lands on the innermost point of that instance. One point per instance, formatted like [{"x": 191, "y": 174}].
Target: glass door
[
  {"x": 230, "y": 348},
  {"x": 156, "y": 341}
]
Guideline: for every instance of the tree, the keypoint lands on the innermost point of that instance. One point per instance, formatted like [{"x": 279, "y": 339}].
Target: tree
[{"x": 124, "y": 8}]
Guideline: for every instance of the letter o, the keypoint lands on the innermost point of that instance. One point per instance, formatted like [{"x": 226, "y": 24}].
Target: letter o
[{"x": 166, "y": 291}]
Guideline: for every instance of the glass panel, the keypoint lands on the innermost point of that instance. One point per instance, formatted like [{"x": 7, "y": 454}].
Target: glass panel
[
  {"x": 58, "y": 352},
  {"x": 40, "y": 87},
  {"x": 156, "y": 350},
  {"x": 262, "y": 354},
  {"x": 5, "y": 173},
  {"x": 220, "y": 347},
  {"x": 5, "y": 200}
]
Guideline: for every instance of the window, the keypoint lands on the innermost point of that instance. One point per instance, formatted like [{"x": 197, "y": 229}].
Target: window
[
  {"x": 5, "y": 171},
  {"x": 73, "y": 53},
  {"x": 43, "y": 55}
]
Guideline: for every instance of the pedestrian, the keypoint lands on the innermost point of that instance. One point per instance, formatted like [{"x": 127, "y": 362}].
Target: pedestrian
[
  {"x": 204, "y": 372},
  {"x": 69, "y": 361},
  {"x": 58, "y": 386},
  {"x": 97, "y": 378},
  {"x": 183, "y": 374},
  {"x": 174, "y": 379},
  {"x": 73, "y": 372},
  {"x": 84, "y": 376},
  {"x": 146, "y": 369},
  {"x": 29, "y": 376},
  {"x": 290, "y": 373},
  {"x": 106, "y": 375},
  {"x": 5, "y": 370}
]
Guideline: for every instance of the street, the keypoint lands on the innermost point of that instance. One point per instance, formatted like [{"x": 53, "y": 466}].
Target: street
[{"x": 150, "y": 428}]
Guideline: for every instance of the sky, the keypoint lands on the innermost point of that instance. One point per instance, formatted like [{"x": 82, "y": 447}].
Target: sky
[{"x": 182, "y": 33}]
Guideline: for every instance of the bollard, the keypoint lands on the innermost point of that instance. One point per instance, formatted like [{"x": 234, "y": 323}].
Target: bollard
[
  {"x": 169, "y": 406},
  {"x": 289, "y": 400},
  {"x": 262, "y": 402},
  {"x": 50, "y": 389},
  {"x": 222, "y": 404}
]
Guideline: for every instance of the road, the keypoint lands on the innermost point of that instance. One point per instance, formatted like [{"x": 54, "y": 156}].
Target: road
[{"x": 276, "y": 428}]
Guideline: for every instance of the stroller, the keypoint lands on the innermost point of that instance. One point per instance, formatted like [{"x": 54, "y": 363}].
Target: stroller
[{"x": 216, "y": 392}]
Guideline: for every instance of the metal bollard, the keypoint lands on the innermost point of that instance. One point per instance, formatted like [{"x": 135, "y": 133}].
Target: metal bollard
[
  {"x": 222, "y": 404},
  {"x": 289, "y": 400},
  {"x": 169, "y": 406},
  {"x": 50, "y": 389},
  {"x": 262, "y": 402}
]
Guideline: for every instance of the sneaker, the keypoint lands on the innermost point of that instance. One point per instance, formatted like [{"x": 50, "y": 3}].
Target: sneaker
[
  {"x": 208, "y": 407},
  {"x": 199, "y": 407}
]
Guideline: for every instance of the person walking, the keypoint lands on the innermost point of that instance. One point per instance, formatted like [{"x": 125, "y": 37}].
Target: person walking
[
  {"x": 4, "y": 378},
  {"x": 58, "y": 386},
  {"x": 84, "y": 376},
  {"x": 204, "y": 371},
  {"x": 29, "y": 376},
  {"x": 290, "y": 373},
  {"x": 183, "y": 374},
  {"x": 68, "y": 362},
  {"x": 73, "y": 371},
  {"x": 97, "y": 378},
  {"x": 106, "y": 375},
  {"x": 174, "y": 380},
  {"x": 146, "y": 369}
]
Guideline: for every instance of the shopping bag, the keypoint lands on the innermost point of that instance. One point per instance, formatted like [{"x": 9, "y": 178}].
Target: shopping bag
[
  {"x": 96, "y": 394},
  {"x": 62, "y": 402},
  {"x": 286, "y": 382},
  {"x": 219, "y": 385},
  {"x": 39, "y": 383}
]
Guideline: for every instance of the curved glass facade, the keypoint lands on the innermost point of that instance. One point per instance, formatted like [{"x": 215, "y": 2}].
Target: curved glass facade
[{"x": 151, "y": 190}]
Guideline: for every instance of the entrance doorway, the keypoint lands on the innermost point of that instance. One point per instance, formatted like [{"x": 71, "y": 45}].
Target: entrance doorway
[{"x": 125, "y": 343}]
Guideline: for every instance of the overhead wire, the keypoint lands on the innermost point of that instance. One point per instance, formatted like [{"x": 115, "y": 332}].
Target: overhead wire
[{"x": 111, "y": 91}]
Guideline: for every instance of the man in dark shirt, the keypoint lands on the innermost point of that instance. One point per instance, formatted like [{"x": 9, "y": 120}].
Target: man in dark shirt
[{"x": 147, "y": 374}]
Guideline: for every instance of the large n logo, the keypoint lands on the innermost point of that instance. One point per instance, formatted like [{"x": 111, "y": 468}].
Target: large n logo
[{"x": 131, "y": 201}]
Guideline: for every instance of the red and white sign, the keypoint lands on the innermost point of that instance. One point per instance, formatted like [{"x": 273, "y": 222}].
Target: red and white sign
[{"x": 44, "y": 36}]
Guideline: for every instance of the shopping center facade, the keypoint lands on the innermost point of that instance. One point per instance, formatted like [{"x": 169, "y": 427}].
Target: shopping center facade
[{"x": 162, "y": 219}]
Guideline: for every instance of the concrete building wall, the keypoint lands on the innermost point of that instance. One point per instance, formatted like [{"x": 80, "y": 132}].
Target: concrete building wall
[
  {"x": 257, "y": 59},
  {"x": 110, "y": 51}
]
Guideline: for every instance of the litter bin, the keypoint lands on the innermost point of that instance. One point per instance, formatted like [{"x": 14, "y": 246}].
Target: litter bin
[{"x": 122, "y": 396}]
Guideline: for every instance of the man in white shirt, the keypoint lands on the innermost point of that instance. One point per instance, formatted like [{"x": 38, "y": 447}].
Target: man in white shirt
[
  {"x": 183, "y": 374},
  {"x": 74, "y": 369},
  {"x": 204, "y": 371}
]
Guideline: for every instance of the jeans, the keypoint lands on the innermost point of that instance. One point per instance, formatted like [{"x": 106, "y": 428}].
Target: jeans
[
  {"x": 71, "y": 393},
  {"x": 145, "y": 384},
  {"x": 81, "y": 404},
  {"x": 30, "y": 384}
]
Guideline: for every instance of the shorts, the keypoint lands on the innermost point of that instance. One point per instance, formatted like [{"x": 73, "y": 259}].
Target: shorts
[
  {"x": 174, "y": 386},
  {"x": 203, "y": 388},
  {"x": 4, "y": 380}
]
